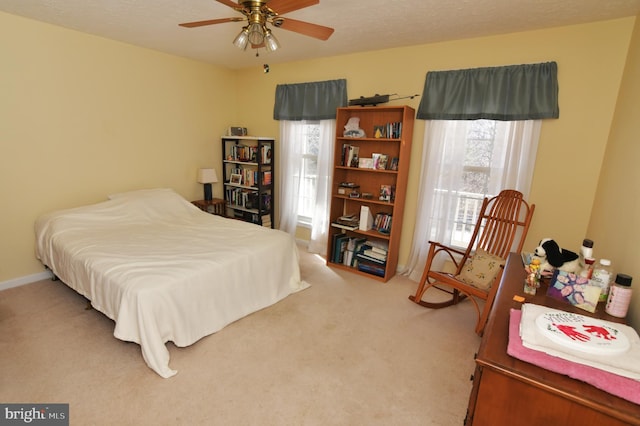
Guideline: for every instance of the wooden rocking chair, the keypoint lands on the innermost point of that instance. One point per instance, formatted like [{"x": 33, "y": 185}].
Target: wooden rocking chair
[{"x": 502, "y": 227}]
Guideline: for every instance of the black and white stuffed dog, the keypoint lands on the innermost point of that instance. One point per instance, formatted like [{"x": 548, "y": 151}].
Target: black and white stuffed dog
[{"x": 553, "y": 257}]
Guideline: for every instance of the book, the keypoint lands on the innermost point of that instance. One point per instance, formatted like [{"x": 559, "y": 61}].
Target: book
[
  {"x": 350, "y": 155},
  {"x": 371, "y": 269},
  {"x": 348, "y": 257},
  {"x": 368, "y": 258},
  {"x": 265, "y": 198},
  {"x": 366, "y": 219},
  {"x": 375, "y": 254},
  {"x": 265, "y": 155},
  {"x": 350, "y": 251},
  {"x": 266, "y": 178},
  {"x": 349, "y": 220},
  {"x": 348, "y": 217},
  {"x": 347, "y": 227},
  {"x": 379, "y": 250},
  {"x": 360, "y": 245},
  {"x": 339, "y": 247}
]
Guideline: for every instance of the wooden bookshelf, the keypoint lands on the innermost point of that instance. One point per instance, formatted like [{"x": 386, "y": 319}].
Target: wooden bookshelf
[{"x": 395, "y": 133}]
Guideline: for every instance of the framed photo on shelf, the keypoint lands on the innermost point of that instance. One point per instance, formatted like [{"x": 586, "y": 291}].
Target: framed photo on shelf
[
  {"x": 365, "y": 163},
  {"x": 394, "y": 164},
  {"x": 381, "y": 164},
  {"x": 235, "y": 179},
  {"x": 385, "y": 193}
]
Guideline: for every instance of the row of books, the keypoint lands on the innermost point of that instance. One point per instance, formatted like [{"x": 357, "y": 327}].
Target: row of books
[
  {"x": 372, "y": 258},
  {"x": 264, "y": 220},
  {"x": 382, "y": 223},
  {"x": 242, "y": 153},
  {"x": 393, "y": 130},
  {"x": 248, "y": 199},
  {"x": 248, "y": 177},
  {"x": 265, "y": 154},
  {"x": 249, "y": 153},
  {"x": 349, "y": 156},
  {"x": 365, "y": 255}
]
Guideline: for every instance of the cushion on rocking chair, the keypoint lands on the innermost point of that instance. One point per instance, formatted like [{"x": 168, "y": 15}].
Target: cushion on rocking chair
[{"x": 481, "y": 269}]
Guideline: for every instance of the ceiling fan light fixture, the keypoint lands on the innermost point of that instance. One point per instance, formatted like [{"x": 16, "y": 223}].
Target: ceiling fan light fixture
[
  {"x": 257, "y": 14},
  {"x": 256, "y": 34},
  {"x": 270, "y": 41},
  {"x": 242, "y": 39}
]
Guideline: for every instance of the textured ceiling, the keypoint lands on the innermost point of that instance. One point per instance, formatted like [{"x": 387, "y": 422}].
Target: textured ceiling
[{"x": 360, "y": 25}]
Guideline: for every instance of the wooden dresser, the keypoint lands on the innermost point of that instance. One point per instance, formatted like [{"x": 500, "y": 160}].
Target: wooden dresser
[{"x": 507, "y": 391}]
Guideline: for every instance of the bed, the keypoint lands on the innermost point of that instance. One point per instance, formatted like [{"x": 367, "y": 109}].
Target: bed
[{"x": 163, "y": 270}]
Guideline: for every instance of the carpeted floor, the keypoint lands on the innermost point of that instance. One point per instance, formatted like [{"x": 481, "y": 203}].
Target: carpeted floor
[{"x": 347, "y": 351}]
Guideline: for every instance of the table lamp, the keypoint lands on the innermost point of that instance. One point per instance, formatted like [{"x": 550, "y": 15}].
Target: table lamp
[{"x": 207, "y": 177}]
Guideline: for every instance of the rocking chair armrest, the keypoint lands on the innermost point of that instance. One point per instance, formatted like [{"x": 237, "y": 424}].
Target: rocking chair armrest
[
  {"x": 436, "y": 247},
  {"x": 447, "y": 248}
]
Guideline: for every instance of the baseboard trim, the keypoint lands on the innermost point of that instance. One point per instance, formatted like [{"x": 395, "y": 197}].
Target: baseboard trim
[{"x": 17, "y": 282}]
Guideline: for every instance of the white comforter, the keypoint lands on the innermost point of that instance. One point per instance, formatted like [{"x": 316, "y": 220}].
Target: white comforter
[{"x": 165, "y": 271}]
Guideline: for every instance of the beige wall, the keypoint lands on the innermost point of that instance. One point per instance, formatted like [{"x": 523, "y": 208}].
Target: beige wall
[
  {"x": 83, "y": 116},
  {"x": 615, "y": 219}
]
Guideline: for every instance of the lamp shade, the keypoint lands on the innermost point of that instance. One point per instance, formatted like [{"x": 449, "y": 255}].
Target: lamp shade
[
  {"x": 207, "y": 176},
  {"x": 270, "y": 42},
  {"x": 242, "y": 40}
]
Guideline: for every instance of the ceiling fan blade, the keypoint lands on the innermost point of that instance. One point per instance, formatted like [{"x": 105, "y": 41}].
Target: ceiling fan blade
[
  {"x": 306, "y": 28},
  {"x": 210, "y": 22},
  {"x": 285, "y": 6},
  {"x": 231, "y": 4}
]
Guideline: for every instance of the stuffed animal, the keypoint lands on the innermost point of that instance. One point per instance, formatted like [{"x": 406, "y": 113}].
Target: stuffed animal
[{"x": 553, "y": 257}]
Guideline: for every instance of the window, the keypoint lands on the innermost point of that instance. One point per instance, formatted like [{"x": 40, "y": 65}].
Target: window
[
  {"x": 309, "y": 143},
  {"x": 305, "y": 177},
  {"x": 463, "y": 162},
  {"x": 479, "y": 145}
]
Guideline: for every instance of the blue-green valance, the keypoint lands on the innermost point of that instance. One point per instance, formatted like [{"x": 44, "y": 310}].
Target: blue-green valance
[
  {"x": 508, "y": 93},
  {"x": 310, "y": 101}
]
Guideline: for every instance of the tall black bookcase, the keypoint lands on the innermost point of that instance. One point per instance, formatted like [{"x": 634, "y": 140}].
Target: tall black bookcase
[{"x": 248, "y": 172}]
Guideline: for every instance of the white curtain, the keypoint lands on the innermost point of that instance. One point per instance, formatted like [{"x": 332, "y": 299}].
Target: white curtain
[
  {"x": 291, "y": 148},
  {"x": 512, "y": 164}
]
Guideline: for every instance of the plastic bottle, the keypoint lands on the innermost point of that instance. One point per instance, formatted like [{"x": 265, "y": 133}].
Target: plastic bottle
[
  {"x": 587, "y": 271},
  {"x": 587, "y": 248},
  {"x": 619, "y": 296},
  {"x": 602, "y": 276},
  {"x": 586, "y": 251}
]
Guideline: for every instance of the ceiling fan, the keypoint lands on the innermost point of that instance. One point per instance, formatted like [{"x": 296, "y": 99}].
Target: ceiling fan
[{"x": 258, "y": 13}]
